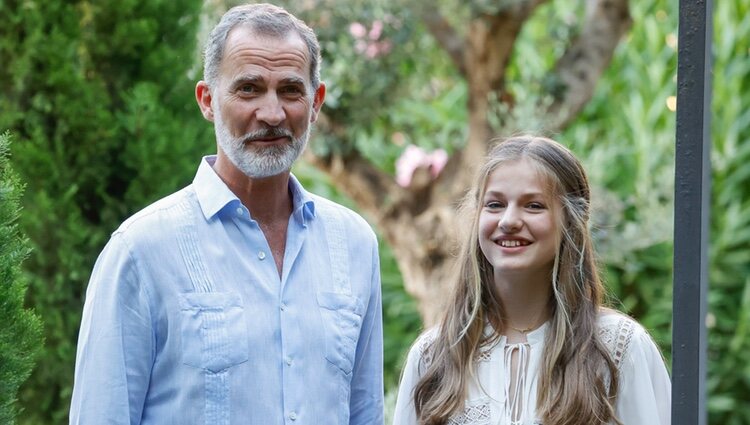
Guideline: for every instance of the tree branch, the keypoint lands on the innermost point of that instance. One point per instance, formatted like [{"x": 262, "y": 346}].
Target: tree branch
[
  {"x": 584, "y": 62},
  {"x": 444, "y": 33},
  {"x": 373, "y": 190},
  {"x": 489, "y": 46},
  {"x": 359, "y": 179}
]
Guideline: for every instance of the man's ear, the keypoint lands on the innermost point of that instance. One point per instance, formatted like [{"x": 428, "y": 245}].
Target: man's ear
[
  {"x": 203, "y": 96},
  {"x": 318, "y": 98}
]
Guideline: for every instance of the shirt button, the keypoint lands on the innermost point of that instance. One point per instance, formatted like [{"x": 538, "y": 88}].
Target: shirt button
[
  {"x": 288, "y": 361},
  {"x": 282, "y": 307},
  {"x": 261, "y": 255},
  {"x": 293, "y": 416},
  {"x": 239, "y": 210}
]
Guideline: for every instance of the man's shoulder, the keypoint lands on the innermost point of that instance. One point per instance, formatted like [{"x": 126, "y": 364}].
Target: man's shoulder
[{"x": 157, "y": 218}]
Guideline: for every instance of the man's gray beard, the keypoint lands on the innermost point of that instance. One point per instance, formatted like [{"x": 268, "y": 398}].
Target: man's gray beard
[{"x": 257, "y": 161}]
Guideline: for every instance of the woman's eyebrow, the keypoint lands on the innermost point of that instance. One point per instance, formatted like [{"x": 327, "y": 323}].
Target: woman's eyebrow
[{"x": 533, "y": 194}]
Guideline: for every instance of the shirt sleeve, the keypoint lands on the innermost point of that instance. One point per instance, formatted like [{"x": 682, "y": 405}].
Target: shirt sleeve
[
  {"x": 645, "y": 395},
  {"x": 366, "y": 402},
  {"x": 115, "y": 344}
]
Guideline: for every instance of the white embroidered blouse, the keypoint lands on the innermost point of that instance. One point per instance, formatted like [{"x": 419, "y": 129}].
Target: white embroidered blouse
[{"x": 644, "y": 396}]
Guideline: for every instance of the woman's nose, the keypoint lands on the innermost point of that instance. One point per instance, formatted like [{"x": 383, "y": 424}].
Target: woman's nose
[{"x": 511, "y": 220}]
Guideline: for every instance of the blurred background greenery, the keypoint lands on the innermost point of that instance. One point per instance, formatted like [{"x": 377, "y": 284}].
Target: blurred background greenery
[{"x": 99, "y": 99}]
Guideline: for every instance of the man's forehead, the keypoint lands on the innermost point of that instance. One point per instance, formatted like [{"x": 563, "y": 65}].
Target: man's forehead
[
  {"x": 246, "y": 47},
  {"x": 246, "y": 35}
]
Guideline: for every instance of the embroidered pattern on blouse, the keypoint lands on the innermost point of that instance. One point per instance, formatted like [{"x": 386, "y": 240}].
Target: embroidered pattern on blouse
[
  {"x": 484, "y": 354},
  {"x": 624, "y": 336},
  {"x": 425, "y": 351},
  {"x": 617, "y": 339},
  {"x": 478, "y": 414}
]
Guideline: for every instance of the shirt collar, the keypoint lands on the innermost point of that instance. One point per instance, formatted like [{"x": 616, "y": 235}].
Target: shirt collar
[
  {"x": 214, "y": 195},
  {"x": 303, "y": 206}
]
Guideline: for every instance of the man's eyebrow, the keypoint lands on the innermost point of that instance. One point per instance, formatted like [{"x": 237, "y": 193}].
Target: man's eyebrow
[
  {"x": 246, "y": 79},
  {"x": 294, "y": 80},
  {"x": 255, "y": 79}
]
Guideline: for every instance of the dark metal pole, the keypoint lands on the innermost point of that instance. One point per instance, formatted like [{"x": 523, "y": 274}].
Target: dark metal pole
[{"x": 691, "y": 216}]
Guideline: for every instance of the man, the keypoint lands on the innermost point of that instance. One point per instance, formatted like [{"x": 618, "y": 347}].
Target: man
[{"x": 241, "y": 299}]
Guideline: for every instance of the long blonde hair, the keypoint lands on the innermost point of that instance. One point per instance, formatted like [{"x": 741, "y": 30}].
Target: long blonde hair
[{"x": 578, "y": 379}]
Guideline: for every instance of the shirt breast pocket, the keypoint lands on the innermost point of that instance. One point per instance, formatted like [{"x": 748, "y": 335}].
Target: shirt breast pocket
[
  {"x": 213, "y": 330},
  {"x": 342, "y": 321}
]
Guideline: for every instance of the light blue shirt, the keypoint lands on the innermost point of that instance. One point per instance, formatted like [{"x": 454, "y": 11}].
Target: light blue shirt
[{"x": 186, "y": 320}]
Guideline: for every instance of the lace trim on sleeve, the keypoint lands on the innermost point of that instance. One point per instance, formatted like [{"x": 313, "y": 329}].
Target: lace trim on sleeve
[
  {"x": 617, "y": 339},
  {"x": 484, "y": 354},
  {"x": 424, "y": 345}
]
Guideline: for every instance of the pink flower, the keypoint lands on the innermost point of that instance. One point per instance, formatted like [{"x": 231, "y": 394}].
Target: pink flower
[
  {"x": 385, "y": 47},
  {"x": 357, "y": 30},
  {"x": 372, "y": 51},
  {"x": 376, "y": 30},
  {"x": 438, "y": 159},
  {"x": 415, "y": 157}
]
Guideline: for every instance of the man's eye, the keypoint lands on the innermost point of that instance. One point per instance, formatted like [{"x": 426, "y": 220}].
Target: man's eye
[
  {"x": 247, "y": 89},
  {"x": 291, "y": 90}
]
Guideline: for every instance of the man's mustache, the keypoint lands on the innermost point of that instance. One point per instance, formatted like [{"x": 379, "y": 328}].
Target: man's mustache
[{"x": 267, "y": 133}]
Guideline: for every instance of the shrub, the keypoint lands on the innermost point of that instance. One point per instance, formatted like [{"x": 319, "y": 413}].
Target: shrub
[{"x": 21, "y": 332}]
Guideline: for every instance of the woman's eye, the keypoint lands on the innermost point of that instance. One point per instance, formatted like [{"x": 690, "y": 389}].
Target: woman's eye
[
  {"x": 493, "y": 204},
  {"x": 536, "y": 206}
]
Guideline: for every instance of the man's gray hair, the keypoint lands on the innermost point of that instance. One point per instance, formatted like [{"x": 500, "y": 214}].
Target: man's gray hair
[{"x": 264, "y": 19}]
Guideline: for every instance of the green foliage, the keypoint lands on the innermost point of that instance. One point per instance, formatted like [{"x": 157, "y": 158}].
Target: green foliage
[
  {"x": 729, "y": 300},
  {"x": 99, "y": 96},
  {"x": 21, "y": 333},
  {"x": 625, "y": 137}
]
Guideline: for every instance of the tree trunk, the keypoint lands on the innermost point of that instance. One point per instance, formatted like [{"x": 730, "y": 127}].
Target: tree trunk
[{"x": 424, "y": 247}]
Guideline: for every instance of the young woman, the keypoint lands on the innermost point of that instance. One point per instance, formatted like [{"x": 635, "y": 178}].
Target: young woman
[{"x": 525, "y": 339}]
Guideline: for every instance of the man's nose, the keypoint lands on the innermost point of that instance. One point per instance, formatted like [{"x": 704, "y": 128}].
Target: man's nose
[{"x": 270, "y": 111}]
